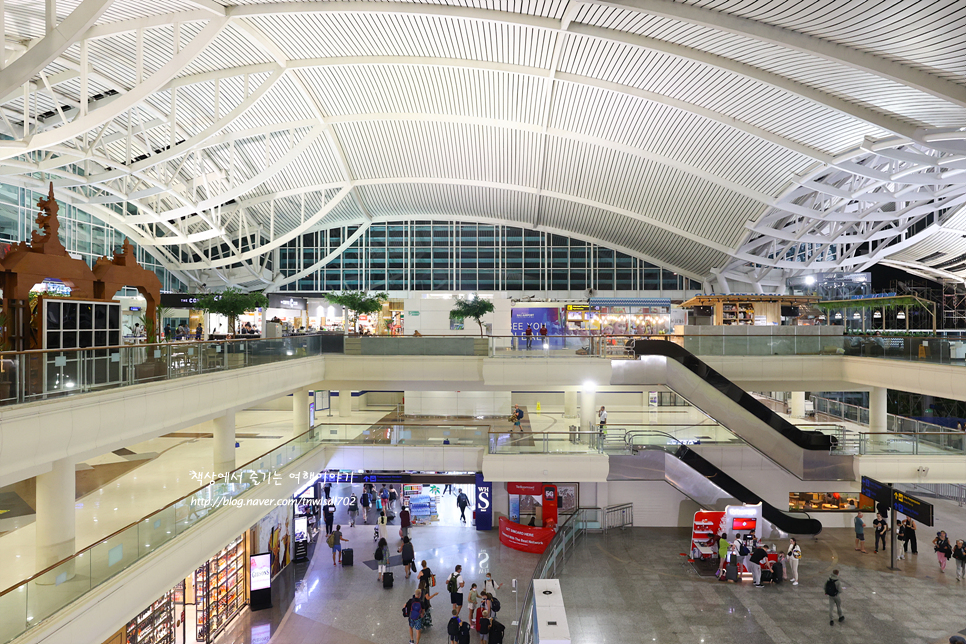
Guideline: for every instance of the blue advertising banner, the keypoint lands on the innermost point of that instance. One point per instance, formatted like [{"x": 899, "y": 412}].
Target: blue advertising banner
[
  {"x": 522, "y": 317},
  {"x": 484, "y": 503}
]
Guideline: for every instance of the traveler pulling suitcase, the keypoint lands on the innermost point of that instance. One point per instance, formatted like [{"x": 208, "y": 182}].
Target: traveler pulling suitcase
[
  {"x": 387, "y": 580},
  {"x": 347, "y": 556}
]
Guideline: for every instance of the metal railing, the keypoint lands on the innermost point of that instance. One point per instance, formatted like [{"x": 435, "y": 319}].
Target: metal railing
[
  {"x": 552, "y": 559},
  {"x": 618, "y": 516}
]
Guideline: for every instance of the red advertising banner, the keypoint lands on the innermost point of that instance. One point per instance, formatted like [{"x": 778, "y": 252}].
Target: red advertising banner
[
  {"x": 549, "y": 505},
  {"x": 535, "y": 489},
  {"x": 522, "y": 537}
]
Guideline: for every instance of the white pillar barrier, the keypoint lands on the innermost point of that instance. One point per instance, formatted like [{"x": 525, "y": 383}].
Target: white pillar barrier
[
  {"x": 55, "y": 515},
  {"x": 223, "y": 429},
  {"x": 300, "y": 411}
]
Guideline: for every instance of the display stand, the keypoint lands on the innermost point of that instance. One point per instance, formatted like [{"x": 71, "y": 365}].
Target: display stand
[
  {"x": 422, "y": 508},
  {"x": 706, "y": 525},
  {"x": 155, "y": 625}
]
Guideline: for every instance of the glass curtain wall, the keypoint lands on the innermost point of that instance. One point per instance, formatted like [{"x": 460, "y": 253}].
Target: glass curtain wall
[
  {"x": 458, "y": 256},
  {"x": 81, "y": 233}
]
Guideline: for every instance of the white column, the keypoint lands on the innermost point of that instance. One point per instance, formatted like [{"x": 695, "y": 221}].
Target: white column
[
  {"x": 55, "y": 515},
  {"x": 797, "y": 404},
  {"x": 223, "y": 429},
  {"x": 570, "y": 404},
  {"x": 877, "y": 409},
  {"x": 300, "y": 411},
  {"x": 345, "y": 403},
  {"x": 588, "y": 411}
]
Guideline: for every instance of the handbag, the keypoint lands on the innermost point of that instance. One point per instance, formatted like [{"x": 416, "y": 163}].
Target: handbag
[
  {"x": 413, "y": 565},
  {"x": 434, "y": 582}
]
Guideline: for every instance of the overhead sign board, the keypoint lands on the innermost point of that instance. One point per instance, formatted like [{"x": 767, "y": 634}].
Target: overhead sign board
[
  {"x": 915, "y": 509},
  {"x": 578, "y": 307},
  {"x": 287, "y": 302},
  {"x": 877, "y": 491},
  {"x": 180, "y": 300}
]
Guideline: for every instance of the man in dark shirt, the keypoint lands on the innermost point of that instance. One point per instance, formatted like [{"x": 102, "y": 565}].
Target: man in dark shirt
[
  {"x": 881, "y": 527},
  {"x": 757, "y": 556},
  {"x": 328, "y": 514},
  {"x": 405, "y": 521}
]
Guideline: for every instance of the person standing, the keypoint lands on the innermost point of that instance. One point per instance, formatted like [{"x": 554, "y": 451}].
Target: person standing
[
  {"x": 405, "y": 521},
  {"x": 462, "y": 502},
  {"x": 472, "y": 601},
  {"x": 529, "y": 334},
  {"x": 881, "y": 527},
  {"x": 759, "y": 554},
  {"x": 425, "y": 579},
  {"x": 453, "y": 628},
  {"x": 327, "y": 490},
  {"x": 382, "y": 557},
  {"x": 722, "y": 553},
  {"x": 353, "y": 509},
  {"x": 911, "y": 536},
  {"x": 959, "y": 555},
  {"x": 860, "y": 534},
  {"x": 328, "y": 515},
  {"x": 384, "y": 497},
  {"x": 365, "y": 500},
  {"x": 454, "y": 585},
  {"x": 794, "y": 554},
  {"x": 943, "y": 550},
  {"x": 901, "y": 538},
  {"x": 336, "y": 543},
  {"x": 543, "y": 336},
  {"x": 199, "y": 332},
  {"x": 484, "y": 627},
  {"x": 414, "y": 611},
  {"x": 489, "y": 584},
  {"x": 408, "y": 555},
  {"x": 602, "y": 419},
  {"x": 833, "y": 590}
]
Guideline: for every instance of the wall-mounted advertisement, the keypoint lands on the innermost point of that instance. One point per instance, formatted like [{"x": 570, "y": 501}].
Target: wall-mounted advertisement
[
  {"x": 275, "y": 537},
  {"x": 261, "y": 571}
]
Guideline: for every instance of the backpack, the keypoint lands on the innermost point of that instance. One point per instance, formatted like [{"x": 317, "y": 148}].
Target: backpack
[
  {"x": 378, "y": 555},
  {"x": 743, "y": 550},
  {"x": 453, "y": 628},
  {"x": 452, "y": 586},
  {"x": 494, "y": 604},
  {"x": 413, "y": 609},
  {"x": 330, "y": 540},
  {"x": 830, "y": 588}
]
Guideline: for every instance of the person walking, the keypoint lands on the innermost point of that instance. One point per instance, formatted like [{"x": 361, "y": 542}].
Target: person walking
[
  {"x": 759, "y": 554},
  {"x": 426, "y": 577},
  {"x": 382, "y": 523},
  {"x": 462, "y": 502},
  {"x": 408, "y": 555},
  {"x": 943, "y": 550},
  {"x": 414, "y": 612},
  {"x": 382, "y": 557},
  {"x": 860, "y": 534},
  {"x": 489, "y": 584},
  {"x": 353, "y": 509},
  {"x": 472, "y": 601},
  {"x": 393, "y": 497},
  {"x": 833, "y": 590},
  {"x": 384, "y": 497},
  {"x": 365, "y": 500},
  {"x": 881, "y": 527},
  {"x": 453, "y": 628},
  {"x": 794, "y": 554},
  {"x": 199, "y": 332},
  {"x": 328, "y": 515},
  {"x": 959, "y": 555},
  {"x": 327, "y": 490},
  {"x": 335, "y": 541},
  {"x": 454, "y": 586},
  {"x": 405, "y": 521}
]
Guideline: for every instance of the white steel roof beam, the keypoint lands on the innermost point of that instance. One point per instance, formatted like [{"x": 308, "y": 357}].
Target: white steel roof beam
[{"x": 834, "y": 52}]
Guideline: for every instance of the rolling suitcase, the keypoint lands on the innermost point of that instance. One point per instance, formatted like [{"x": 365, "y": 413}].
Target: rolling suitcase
[
  {"x": 347, "y": 556},
  {"x": 732, "y": 572},
  {"x": 766, "y": 576},
  {"x": 387, "y": 580},
  {"x": 778, "y": 572},
  {"x": 496, "y": 632}
]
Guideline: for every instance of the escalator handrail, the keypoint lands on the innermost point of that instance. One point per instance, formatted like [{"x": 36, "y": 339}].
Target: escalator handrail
[
  {"x": 782, "y": 520},
  {"x": 805, "y": 440}
]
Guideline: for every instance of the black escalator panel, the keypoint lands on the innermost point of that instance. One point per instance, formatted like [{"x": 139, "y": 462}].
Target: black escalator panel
[
  {"x": 781, "y": 520},
  {"x": 806, "y": 440}
]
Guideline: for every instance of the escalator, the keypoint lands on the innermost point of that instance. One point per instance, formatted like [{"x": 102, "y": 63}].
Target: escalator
[
  {"x": 702, "y": 481},
  {"x": 806, "y": 454}
]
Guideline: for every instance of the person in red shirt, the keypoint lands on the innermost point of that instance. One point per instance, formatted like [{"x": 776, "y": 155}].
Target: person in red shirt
[{"x": 529, "y": 333}]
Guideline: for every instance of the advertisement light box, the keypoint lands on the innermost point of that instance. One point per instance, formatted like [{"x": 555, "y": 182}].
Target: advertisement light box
[{"x": 261, "y": 571}]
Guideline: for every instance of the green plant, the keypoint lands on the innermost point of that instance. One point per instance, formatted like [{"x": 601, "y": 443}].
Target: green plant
[
  {"x": 474, "y": 309},
  {"x": 359, "y": 302},
  {"x": 150, "y": 328},
  {"x": 231, "y": 303}
]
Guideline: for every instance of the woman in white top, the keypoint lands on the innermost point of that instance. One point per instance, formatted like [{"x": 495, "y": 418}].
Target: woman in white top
[
  {"x": 382, "y": 524},
  {"x": 602, "y": 418},
  {"x": 794, "y": 554}
]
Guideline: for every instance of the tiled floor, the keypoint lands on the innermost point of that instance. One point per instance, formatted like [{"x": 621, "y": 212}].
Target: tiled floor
[
  {"x": 337, "y": 605},
  {"x": 635, "y": 586}
]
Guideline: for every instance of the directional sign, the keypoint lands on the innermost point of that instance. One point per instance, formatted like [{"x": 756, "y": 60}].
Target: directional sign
[
  {"x": 915, "y": 509},
  {"x": 879, "y": 492}
]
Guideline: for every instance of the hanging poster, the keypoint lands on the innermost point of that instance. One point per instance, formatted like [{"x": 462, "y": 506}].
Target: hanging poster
[{"x": 549, "y": 505}]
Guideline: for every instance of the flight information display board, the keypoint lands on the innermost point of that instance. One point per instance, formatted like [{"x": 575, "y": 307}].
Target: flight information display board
[{"x": 915, "y": 509}]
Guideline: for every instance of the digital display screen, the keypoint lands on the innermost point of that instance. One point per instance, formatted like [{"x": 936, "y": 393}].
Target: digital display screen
[
  {"x": 301, "y": 528},
  {"x": 743, "y": 524},
  {"x": 261, "y": 571}
]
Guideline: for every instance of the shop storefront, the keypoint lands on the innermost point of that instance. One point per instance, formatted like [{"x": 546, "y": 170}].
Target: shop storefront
[
  {"x": 199, "y": 608},
  {"x": 307, "y": 517},
  {"x": 430, "y": 497},
  {"x": 600, "y": 316}
]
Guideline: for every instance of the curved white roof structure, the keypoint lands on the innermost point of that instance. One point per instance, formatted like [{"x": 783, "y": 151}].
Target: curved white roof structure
[{"x": 749, "y": 140}]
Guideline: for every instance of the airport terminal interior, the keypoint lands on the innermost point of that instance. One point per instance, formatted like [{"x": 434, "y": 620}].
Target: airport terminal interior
[{"x": 450, "y": 322}]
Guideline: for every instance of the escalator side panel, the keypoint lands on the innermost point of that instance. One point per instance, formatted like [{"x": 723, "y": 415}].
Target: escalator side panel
[{"x": 805, "y": 440}]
